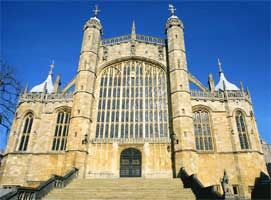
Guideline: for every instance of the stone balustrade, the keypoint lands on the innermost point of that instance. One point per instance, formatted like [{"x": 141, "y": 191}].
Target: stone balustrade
[
  {"x": 195, "y": 95},
  {"x": 116, "y": 40},
  {"x": 43, "y": 97},
  {"x": 220, "y": 95},
  {"x": 126, "y": 38},
  {"x": 150, "y": 39},
  {"x": 164, "y": 140}
]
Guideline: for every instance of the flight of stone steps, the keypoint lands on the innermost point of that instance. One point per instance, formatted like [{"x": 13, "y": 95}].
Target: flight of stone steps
[{"x": 122, "y": 189}]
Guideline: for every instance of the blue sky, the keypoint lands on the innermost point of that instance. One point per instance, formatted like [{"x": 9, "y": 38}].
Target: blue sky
[{"x": 34, "y": 33}]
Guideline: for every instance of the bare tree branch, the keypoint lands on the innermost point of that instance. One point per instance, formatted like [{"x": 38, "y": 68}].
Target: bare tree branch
[{"x": 10, "y": 89}]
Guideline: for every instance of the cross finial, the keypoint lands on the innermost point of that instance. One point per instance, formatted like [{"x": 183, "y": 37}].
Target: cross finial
[
  {"x": 219, "y": 65},
  {"x": 171, "y": 9},
  {"x": 52, "y": 67},
  {"x": 96, "y": 11}
]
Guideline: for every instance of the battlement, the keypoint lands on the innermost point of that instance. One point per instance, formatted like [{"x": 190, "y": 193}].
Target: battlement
[
  {"x": 220, "y": 95},
  {"x": 43, "y": 97},
  {"x": 127, "y": 38}
]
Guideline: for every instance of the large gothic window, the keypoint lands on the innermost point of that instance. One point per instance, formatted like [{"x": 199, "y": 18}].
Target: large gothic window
[
  {"x": 202, "y": 130},
  {"x": 132, "y": 102},
  {"x": 242, "y": 130},
  {"x": 61, "y": 131},
  {"x": 27, "y": 125}
]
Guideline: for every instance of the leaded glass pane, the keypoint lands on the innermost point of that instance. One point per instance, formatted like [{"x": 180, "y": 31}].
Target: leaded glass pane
[
  {"x": 28, "y": 121},
  {"x": 133, "y": 95},
  {"x": 202, "y": 131},
  {"x": 61, "y": 130},
  {"x": 242, "y": 130}
]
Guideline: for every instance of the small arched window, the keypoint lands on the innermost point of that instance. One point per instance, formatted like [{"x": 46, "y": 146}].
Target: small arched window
[
  {"x": 61, "y": 131},
  {"x": 202, "y": 130},
  {"x": 242, "y": 130},
  {"x": 27, "y": 125}
]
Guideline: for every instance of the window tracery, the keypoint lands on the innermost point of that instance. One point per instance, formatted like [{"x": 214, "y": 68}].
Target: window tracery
[
  {"x": 202, "y": 130},
  {"x": 132, "y": 101},
  {"x": 61, "y": 131},
  {"x": 27, "y": 126},
  {"x": 242, "y": 130}
]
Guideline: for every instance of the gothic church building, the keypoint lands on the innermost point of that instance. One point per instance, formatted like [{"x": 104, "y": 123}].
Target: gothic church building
[{"x": 132, "y": 114}]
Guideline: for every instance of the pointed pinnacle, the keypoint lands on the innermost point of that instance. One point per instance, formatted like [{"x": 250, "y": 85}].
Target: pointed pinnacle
[
  {"x": 133, "y": 28},
  {"x": 219, "y": 65}
]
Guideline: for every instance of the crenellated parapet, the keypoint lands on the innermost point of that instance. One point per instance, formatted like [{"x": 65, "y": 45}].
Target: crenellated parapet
[
  {"x": 220, "y": 95},
  {"x": 93, "y": 22},
  {"x": 174, "y": 21},
  {"x": 139, "y": 38},
  {"x": 45, "y": 98},
  {"x": 164, "y": 140}
]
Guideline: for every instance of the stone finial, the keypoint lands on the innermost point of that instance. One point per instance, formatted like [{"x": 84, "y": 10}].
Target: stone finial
[
  {"x": 211, "y": 82},
  {"x": 94, "y": 22},
  {"x": 219, "y": 65},
  {"x": 52, "y": 67},
  {"x": 133, "y": 34},
  {"x": 248, "y": 92},
  {"x": 225, "y": 89},
  {"x": 241, "y": 85},
  {"x": 57, "y": 84},
  {"x": 173, "y": 20},
  {"x": 26, "y": 88},
  {"x": 133, "y": 28},
  {"x": 45, "y": 88},
  {"x": 224, "y": 86}
]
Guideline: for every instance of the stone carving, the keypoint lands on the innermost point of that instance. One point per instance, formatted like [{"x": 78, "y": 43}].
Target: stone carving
[
  {"x": 133, "y": 49},
  {"x": 226, "y": 187},
  {"x": 160, "y": 53},
  {"x": 105, "y": 53}
]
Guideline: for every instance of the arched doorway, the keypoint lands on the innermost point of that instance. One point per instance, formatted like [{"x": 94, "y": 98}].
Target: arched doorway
[{"x": 130, "y": 163}]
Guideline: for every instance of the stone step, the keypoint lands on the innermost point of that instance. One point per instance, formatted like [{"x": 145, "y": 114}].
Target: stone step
[
  {"x": 123, "y": 189},
  {"x": 125, "y": 192}
]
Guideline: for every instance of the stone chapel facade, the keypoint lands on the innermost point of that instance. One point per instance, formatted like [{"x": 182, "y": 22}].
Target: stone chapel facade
[{"x": 132, "y": 114}]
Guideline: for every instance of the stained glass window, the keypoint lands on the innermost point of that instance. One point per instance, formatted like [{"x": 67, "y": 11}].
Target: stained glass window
[
  {"x": 27, "y": 125},
  {"x": 202, "y": 131},
  {"x": 61, "y": 131},
  {"x": 136, "y": 96},
  {"x": 242, "y": 130}
]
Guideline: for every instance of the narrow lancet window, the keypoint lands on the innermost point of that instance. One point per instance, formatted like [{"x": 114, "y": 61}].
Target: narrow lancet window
[
  {"x": 27, "y": 125},
  {"x": 61, "y": 131},
  {"x": 202, "y": 130},
  {"x": 242, "y": 130}
]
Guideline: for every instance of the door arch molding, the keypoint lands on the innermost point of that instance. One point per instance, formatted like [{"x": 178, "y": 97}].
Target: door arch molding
[{"x": 130, "y": 163}]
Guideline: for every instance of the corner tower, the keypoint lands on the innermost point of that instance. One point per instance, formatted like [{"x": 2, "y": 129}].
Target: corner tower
[
  {"x": 81, "y": 116},
  {"x": 182, "y": 133}
]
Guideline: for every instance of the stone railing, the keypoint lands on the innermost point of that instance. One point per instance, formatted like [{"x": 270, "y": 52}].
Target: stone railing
[
  {"x": 130, "y": 140},
  {"x": 116, "y": 40},
  {"x": 201, "y": 192},
  {"x": 126, "y": 38},
  {"x": 197, "y": 94},
  {"x": 29, "y": 193},
  {"x": 220, "y": 95},
  {"x": 43, "y": 97},
  {"x": 150, "y": 39}
]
